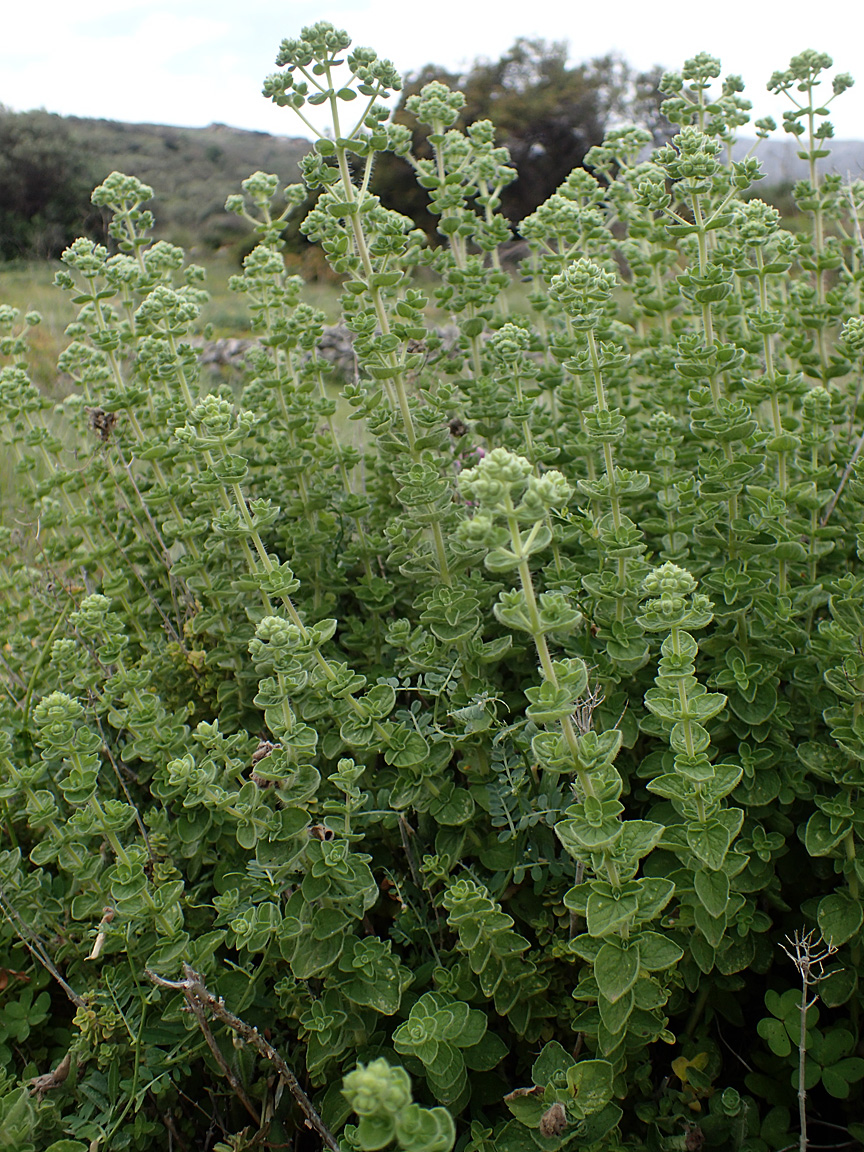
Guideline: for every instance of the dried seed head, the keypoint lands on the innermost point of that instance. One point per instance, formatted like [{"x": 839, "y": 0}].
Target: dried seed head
[
  {"x": 101, "y": 422},
  {"x": 264, "y": 749},
  {"x": 553, "y": 1121},
  {"x": 694, "y": 1138}
]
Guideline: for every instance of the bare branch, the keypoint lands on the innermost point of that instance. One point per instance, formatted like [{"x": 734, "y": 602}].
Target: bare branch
[
  {"x": 808, "y": 952},
  {"x": 847, "y": 472},
  {"x": 106, "y": 748},
  {"x": 198, "y": 1012},
  {"x": 808, "y": 959},
  {"x": 583, "y": 713},
  {"x": 36, "y": 948},
  {"x": 101, "y": 935},
  {"x": 198, "y": 996},
  {"x": 39, "y": 1085}
]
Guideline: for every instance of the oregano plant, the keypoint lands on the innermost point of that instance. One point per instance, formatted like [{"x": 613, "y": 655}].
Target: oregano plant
[{"x": 434, "y": 755}]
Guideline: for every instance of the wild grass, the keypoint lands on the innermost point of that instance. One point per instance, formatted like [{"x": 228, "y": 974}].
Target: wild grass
[{"x": 29, "y": 286}]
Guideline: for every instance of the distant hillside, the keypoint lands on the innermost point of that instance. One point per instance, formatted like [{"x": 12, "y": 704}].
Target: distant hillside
[
  {"x": 49, "y": 165},
  {"x": 781, "y": 164},
  {"x": 191, "y": 170}
]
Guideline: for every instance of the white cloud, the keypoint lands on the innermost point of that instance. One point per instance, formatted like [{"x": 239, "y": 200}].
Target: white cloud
[{"x": 197, "y": 61}]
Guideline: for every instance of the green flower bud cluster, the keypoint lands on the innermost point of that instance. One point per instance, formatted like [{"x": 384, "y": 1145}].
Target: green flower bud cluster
[
  {"x": 314, "y": 54},
  {"x": 436, "y": 105},
  {"x": 582, "y": 290},
  {"x": 381, "y": 1097}
]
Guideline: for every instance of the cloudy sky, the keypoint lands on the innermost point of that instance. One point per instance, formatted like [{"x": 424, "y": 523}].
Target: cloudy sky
[{"x": 195, "y": 62}]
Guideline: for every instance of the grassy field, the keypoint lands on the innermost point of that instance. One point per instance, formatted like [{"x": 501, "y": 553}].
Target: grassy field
[{"x": 30, "y": 287}]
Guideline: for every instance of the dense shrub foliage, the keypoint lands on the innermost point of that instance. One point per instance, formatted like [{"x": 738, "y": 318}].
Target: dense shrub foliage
[
  {"x": 45, "y": 183},
  {"x": 480, "y": 737},
  {"x": 49, "y": 165}
]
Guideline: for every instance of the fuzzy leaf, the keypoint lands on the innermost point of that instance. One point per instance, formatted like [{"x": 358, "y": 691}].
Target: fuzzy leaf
[
  {"x": 709, "y": 842},
  {"x": 839, "y": 917},
  {"x": 616, "y": 970},
  {"x": 591, "y": 1082},
  {"x": 712, "y": 888},
  {"x": 607, "y": 912},
  {"x": 822, "y": 834},
  {"x": 657, "y": 952},
  {"x": 552, "y": 1064}
]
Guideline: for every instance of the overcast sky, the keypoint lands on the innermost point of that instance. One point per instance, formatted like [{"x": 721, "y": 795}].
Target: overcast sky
[{"x": 195, "y": 62}]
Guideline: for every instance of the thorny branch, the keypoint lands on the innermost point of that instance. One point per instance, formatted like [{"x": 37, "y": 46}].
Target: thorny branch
[{"x": 199, "y": 997}]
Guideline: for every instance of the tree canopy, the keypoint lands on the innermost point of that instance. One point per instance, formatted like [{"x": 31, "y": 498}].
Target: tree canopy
[
  {"x": 548, "y": 114},
  {"x": 45, "y": 185}
]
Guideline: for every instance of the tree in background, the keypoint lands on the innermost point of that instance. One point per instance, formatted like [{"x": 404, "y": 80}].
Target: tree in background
[
  {"x": 45, "y": 183},
  {"x": 548, "y": 114}
]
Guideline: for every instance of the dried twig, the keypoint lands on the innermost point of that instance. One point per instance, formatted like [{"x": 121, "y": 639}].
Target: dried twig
[
  {"x": 145, "y": 586},
  {"x": 583, "y": 713},
  {"x": 106, "y": 748},
  {"x": 101, "y": 934},
  {"x": 39, "y": 1085},
  {"x": 198, "y": 997},
  {"x": 405, "y": 832},
  {"x": 166, "y": 555},
  {"x": 832, "y": 503},
  {"x": 198, "y": 1012},
  {"x": 853, "y": 212},
  {"x": 36, "y": 948},
  {"x": 173, "y": 1134},
  {"x": 809, "y": 958},
  {"x": 726, "y": 1044},
  {"x": 13, "y": 675}
]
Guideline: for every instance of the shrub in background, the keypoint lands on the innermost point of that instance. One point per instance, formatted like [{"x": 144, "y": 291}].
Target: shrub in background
[
  {"x": 476, "y": 737},
  {"x": 45, "y": 183}
]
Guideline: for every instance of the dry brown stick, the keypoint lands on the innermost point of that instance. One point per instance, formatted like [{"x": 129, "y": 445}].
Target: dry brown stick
[
  {"x": 404, "y": 830},
  {"x": 36, "y": 949},
  {"x": 168, "y": 1121},
  {"x": 832, "y": 503},
  {"x": 193, "y": 988},
  {"x": 166, "y": 556},
  {"x": 39, "y": 1085},
  {"x": 198, "y": 1012}
]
